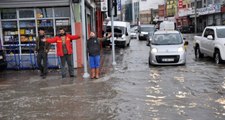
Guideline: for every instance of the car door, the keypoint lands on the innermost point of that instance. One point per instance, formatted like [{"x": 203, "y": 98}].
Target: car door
[
  {"x": 204, "y": 42},
  {"x": 210, "y": 43}
]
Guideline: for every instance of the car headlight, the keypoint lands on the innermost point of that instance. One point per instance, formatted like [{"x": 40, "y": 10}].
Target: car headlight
[
  {"x": 154, "y": 50},
  {"x": 123, "y": 37},
  {"x": 181, "y": 49}
]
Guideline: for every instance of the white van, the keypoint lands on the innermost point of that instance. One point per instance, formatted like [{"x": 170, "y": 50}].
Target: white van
[
  {"x": 121, "y": 33},
  {"x": 167, "y": 25}
]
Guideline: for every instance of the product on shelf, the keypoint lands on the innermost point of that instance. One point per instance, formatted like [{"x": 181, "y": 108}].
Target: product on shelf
[
  {"x": 62, "y": 22},
  {"x": 22, "y": 31}
]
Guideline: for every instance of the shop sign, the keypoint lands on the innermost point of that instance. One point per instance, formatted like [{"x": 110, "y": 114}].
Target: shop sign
[
  {"x": 180, "y": 4},
  {"x": 209, "y": 10},
  {"x": 185, "y": 12}
]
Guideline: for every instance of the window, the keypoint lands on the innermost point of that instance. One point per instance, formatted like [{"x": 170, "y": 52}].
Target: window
[
  {"x": 29, "y": 13},
  {"x": 62, "y": 12},
  {"x": 220, "y": 33},
  {"x": 210, "y": 2},
  {"x": 44, "y": 13},
  {"x": 8, "y": 14},
  {"x": 167, "y": 39},
  {"x": 199, "y": 4},
  {"x": 206, "y": 33},
  {"x": 209, "y": 32},
  {"x": 217, "y": 1}
]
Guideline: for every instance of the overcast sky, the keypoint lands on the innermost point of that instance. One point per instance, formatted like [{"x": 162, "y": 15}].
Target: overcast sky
[{"x": 146, "y": 5}]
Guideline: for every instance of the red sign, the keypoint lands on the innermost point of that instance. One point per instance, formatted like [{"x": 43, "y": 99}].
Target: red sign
[{"x": 180, "y": 4}]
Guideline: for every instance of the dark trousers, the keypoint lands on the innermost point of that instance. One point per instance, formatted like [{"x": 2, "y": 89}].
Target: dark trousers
[
  {"x": 42, "y": 57},
  {"x": 66, "y": 58}
]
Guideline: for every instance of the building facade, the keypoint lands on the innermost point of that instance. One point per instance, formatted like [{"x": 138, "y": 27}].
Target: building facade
[
  {"x": 145, "y": 17},
  {"x": 209, "y": 12},
  {"x": 20, "y": 21},
  {"x": 136, "y": 11},
  {"x": 129, "y": 11}
]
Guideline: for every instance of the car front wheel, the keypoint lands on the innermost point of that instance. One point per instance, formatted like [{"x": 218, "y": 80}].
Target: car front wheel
[{"x": 198, "y": 53}]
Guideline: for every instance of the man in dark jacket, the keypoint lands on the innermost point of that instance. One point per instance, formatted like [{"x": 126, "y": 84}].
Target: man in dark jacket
[
  {"x": 42, "y": 49},
  {"x": 93, "y": 48}
]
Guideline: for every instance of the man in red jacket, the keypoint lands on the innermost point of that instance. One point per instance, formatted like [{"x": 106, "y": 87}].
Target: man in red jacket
[{"x": 64, "y": 50}]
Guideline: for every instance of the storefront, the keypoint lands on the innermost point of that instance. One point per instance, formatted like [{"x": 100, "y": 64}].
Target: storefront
[
  {"x": 20, "y": 21},
  {"x": 223, "y": 14}
]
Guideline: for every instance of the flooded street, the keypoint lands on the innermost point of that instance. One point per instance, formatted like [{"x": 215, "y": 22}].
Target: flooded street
[{"x": 130, "y": 91}]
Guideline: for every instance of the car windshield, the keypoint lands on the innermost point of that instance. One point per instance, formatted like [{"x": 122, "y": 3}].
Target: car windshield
[
  {"x": 148, "y": 29},
  {"x": 133, "y": 29},
  {"x": 167, "y": 39},
  {"x": 220, "y": 33}
]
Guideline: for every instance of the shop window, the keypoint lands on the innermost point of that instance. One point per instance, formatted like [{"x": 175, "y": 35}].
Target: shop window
[
  {"x": 27, "y": 31},
  {"x": 29, "y": 13},
  {"x": 8, "y": 14},
  {"x": 10, "y": 32},
  {"x": 62, "y": 12},
  {"x": 46, "y": 25},
  {"x": 44, "y": 13},
  {"x": 63, "y": 23}
]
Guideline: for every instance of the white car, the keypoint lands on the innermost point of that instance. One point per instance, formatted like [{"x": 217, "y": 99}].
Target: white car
[
  {"x": 167, "y": 48},
  {"x": 211, "y": 43},
  {"x": 145, "y": 32},
  {"x": 134, "y": 32}
]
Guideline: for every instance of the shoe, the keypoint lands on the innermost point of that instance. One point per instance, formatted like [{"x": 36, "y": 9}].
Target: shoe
[
  {"x": 97, "y": 73},
  {"x": 92, "y": 73},
  {"x": 63, "y": 76},
  {"x": 72, "y": 75}
]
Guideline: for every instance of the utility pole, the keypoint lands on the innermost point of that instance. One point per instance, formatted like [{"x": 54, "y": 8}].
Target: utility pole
[
  {"x": 86, "y": 74},
  {"x": 113, "y": 41},
  {"x": 195, "y": 16},
  {"x": 164, "y": 9}
]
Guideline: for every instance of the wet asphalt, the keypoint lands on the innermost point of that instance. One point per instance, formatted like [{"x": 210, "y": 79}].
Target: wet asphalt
[{"x": 129, "y": 91}]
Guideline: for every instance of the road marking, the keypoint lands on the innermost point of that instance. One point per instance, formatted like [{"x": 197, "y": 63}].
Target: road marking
[{"x": 180, "y": 79}]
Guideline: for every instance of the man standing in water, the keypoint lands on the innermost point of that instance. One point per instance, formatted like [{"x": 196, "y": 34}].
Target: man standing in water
[{"x": 64, "y": 50}]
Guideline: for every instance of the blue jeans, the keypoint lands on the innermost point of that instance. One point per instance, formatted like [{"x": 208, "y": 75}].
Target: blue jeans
[{"x": 94, "y": 61}]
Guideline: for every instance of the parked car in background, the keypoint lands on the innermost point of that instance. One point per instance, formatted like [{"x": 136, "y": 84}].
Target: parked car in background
[
  {"x": 145, "y": 32},
  {"x": 134, "y": 32},
  {"x": 211, "y": 43},
  {"x": 187, "y": 29},
  {"x": 3, "y": 62}
]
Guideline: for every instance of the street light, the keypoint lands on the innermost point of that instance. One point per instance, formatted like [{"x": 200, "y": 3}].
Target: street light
[
  {"x": 195, "y": 17},
  {"x": 113, "y": 41},
  {"x": 83, "y": 15}
]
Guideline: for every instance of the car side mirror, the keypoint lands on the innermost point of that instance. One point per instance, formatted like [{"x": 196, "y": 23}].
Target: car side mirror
[
  {"x": 186, "y": 43},
  {"x": 127, "y": 34},
  {"x": 184, "y": 38},
  {"x": 210, "y": 37}
]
